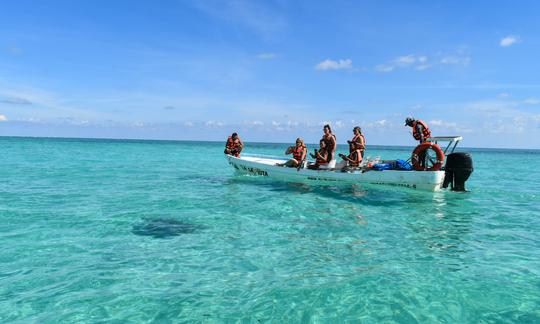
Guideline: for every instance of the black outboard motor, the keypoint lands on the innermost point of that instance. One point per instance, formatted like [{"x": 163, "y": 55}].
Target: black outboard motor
[{"x": 459, "y": 167}]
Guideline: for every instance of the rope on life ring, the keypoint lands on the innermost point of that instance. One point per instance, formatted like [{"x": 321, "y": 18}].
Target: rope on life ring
[{"x": 422, "y": 148}]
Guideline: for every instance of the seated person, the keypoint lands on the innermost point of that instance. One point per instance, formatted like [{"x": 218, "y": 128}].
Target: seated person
[
  {"x": 321, "y": 156},
  {"x": 355, "y": 156},
  {"x": 234, "y": 145},
  {"x": 299, "y": 152}
]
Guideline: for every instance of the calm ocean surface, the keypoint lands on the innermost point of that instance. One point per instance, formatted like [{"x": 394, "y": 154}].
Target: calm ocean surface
[{"x": 94, "y": 230}]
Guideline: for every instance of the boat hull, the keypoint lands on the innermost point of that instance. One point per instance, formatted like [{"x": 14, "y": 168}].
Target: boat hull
[{"x": 265, "y": 167}]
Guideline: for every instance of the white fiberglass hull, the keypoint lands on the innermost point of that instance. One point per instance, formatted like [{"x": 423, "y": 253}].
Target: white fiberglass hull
[{"x": 266, "y": 166}]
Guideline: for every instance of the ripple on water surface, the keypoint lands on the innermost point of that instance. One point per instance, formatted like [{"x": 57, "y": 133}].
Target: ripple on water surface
[{"x": 128, "y": 230}]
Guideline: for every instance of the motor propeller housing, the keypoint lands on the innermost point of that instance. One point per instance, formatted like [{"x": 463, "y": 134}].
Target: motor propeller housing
[{"x": 458, "y": 169}]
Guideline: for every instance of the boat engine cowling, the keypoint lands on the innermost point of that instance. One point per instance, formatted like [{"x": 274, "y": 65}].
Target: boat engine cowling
[{"x": 458, "y": 169}]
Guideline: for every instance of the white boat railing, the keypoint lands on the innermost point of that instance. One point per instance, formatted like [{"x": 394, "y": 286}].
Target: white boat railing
[{"x": 453, "y": 141}]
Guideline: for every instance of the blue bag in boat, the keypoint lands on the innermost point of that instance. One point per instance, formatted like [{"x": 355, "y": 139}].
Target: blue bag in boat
[
  {"x": 382, "y": 166},
  {"x": 403, "y": 165}
]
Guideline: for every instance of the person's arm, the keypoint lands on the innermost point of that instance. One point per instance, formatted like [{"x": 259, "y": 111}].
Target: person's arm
[
  {"x": 240, "y": 143},
  {"x": 362, "y": 143},
  {"x": 420, "y": 131},
  {"x": 346, "y": 158},
  {"x": 304, "y": 153},
  {"x": 289, "y": 150},
  {"x": 322, "y": 157}
]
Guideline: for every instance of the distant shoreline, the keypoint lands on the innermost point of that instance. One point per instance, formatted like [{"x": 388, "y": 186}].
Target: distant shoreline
[{"x": 97, "y": 139}]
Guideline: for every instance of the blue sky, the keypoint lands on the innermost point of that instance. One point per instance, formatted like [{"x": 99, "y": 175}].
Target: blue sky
[{"x": 271, "y": 70}]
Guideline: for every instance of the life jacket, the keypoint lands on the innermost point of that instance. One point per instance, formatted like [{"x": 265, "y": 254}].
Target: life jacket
[
  {"x": 297, "y": 152},
  {"x": 232, "y": 145},
  {"x": 425, "y": 130}
]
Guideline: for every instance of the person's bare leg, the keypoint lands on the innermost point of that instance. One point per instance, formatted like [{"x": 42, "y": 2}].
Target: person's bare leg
[
  {"x": 291, "y": 163},
  {"x": 286, "y": 164}
]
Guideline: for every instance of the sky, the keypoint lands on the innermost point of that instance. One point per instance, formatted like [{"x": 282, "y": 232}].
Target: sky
[{"x": 271, "y": 70}]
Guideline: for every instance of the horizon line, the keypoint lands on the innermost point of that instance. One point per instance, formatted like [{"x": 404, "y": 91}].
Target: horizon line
[{"x": 216, "y": 141}]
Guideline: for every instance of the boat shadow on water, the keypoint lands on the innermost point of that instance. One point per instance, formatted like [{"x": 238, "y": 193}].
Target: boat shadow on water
[{"x": 438, "y": 222}]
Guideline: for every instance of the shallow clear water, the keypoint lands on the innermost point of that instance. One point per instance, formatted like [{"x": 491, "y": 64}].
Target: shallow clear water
[{"x": 96, "y": 230}]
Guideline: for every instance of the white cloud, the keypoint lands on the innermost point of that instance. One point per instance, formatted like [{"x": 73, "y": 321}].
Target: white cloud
[
  {"x": 257, "y": 16},
  {"x": 456, "y": 60},
  {"x": 275, "y": 123},
  {"x": 519, "y": 123},
  {"x": 509, "y": 40},
  {"x": 267, "y": 56},
  {"x": 493, "y": 108},
  {"x": 423, "y": 62},
  {"x": 418, "y": 62},
  {"x": 531, "y": 101},
  {"x": 253, "y": 123},
  {"x": 334, "y": 65},
  {"x": 378, "y": 125},
  {"x": 16, "y": 101},
  {"x": 422, "y": 67},
  {"x": 3, "y": 118},
  {"x": 212, "y": 123},
  {"x": 503, "y": 95},
  {"x": 188, "y": 124},
  {"x": 338, "y": 124},
  {"x": 384, "y": 68},
  {"x": 446, "y": 126},
  {"x": 405, "y": 60},
  {"x": 501, "y": 116}
]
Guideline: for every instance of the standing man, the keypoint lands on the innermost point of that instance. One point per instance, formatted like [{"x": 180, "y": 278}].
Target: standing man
[
  {"x": 234, "y": 145},
  {"x": 420, "y": 129},
  {"x": 420, "y": 133}
]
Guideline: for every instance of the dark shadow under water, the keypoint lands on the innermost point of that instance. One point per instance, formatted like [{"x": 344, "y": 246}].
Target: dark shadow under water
[{"x": 165, "y": 228}]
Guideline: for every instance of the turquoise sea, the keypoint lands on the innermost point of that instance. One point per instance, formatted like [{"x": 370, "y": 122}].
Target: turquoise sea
[{"x": 163, "y": 231}]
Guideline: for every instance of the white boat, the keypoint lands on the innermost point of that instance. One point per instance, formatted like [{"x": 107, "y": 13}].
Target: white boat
[{"x": 265, "y": 166}]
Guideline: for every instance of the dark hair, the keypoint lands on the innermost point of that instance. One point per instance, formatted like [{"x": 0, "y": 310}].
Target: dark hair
[
  {"x": 234, "y": 135},
  {"x": 409, "y": 120},
  {"x": 328, "y": 126},
  {"x": 358, "y": 128}
]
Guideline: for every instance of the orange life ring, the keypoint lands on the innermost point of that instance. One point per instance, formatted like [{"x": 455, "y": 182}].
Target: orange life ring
[{"x": 423, "y": 148}]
